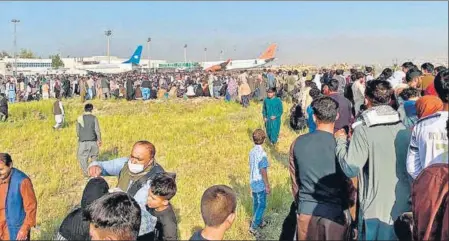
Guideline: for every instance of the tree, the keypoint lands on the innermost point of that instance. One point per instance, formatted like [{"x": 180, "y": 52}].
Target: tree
[
  {"x": 26, "y": 54},
  {"x": 4, "y": 54},
  {"x": 56, "y": 61}
]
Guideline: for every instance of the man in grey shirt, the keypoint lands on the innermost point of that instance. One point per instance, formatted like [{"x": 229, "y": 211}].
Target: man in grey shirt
[{"x": 89, "y": 137}]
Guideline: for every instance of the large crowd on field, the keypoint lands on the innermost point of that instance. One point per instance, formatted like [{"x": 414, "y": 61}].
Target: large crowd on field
[{"x": 370, "y": 163}]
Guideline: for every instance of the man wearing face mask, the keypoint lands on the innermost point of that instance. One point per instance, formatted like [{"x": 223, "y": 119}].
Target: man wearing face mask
[{"x": 134, "y": 177}]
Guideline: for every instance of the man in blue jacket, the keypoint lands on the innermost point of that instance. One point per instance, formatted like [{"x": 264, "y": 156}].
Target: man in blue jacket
[
  {"x": 18, "y": 203},
  {"x": 134, "y": 177}
]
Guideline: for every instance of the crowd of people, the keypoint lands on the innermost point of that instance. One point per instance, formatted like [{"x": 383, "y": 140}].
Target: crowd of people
[{"x": 373, "y": 165}]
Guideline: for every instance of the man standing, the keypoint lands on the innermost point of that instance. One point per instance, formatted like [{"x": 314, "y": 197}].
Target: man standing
[
  {"x": 18, "y": 203},
  {"x": 146, "y": 84},
  {"x": 290, "y": 85},
  {"x": 58, "y": 111},
  {"x": 3, "y": 107},
  {"x": 344, "y": 120},
  {"x": 341, "y": 81},
  {"x": 105, "y": 87},
  {"x": 89, "y": 137},
  {"x": 358, "y": 91},
  {"x": 271, "y": 80},
  {"x": 427, "y": 79},
  {"x": 11, "y": 88},
  {"x": 377, "y": 155},
  {"x": 319, "y": 187},
  {"x": 134, "y": 177}
]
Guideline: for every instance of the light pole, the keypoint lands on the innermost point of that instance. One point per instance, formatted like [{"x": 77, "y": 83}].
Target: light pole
[
  {"x": 221, "y": 55},
  {"x": 185, "y": 53},
  {"x": 148, "y": 49},
  {"x": 205, "y": 54},
  {"x": 108, "y": 34},
  {"x": 15, "y": 22}
]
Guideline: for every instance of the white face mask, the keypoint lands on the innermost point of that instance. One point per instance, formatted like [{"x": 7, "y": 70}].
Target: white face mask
[{"x": 135, "y": 168}]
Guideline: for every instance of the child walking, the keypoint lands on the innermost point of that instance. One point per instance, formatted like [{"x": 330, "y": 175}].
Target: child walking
[{"x": 260, "y": 187}]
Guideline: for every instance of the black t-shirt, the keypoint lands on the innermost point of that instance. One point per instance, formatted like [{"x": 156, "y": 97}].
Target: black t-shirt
[
  {"x": 197, "y": 236},
  {"x": 166, "y": 225},
  {"x": 322, "y": 183}
]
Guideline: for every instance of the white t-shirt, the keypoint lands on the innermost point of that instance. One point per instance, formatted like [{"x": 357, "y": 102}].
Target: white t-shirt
[{"x": 429, "y": 144}]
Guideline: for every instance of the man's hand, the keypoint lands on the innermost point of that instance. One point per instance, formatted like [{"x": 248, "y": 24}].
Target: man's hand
[
  {"x": 22, "y": 235},
  {"x": 94, "y": 171},
  {"x": 268, "y": 189},
  {"x": 99, "y": 143},
  {"x": 273, "y": 117},
  {"x": 340, "y": 134}
]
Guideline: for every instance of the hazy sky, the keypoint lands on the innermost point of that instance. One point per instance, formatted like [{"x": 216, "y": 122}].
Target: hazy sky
[{"x": 308, "y": 32}]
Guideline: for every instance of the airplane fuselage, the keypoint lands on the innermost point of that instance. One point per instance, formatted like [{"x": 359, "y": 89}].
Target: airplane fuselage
[{"x": 240, "y": 64}]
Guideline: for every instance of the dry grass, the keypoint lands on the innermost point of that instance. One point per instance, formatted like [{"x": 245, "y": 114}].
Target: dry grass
[{"x": 205, "y": 142}]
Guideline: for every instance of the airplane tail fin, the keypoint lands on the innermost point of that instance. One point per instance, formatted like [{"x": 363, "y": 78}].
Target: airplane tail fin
[
  {"x": 135, "y": 58},
  {"x": 270, "y": 52}
]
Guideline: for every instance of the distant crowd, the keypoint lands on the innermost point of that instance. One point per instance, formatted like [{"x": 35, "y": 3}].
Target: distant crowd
[{"x": 373, "y": 165}]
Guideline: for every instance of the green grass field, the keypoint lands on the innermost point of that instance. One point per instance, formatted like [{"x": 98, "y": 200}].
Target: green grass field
[{"x": 204, "y": 141}]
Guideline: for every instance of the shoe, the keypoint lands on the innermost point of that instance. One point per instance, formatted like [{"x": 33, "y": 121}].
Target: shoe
[
  {"x": 254, "y": 232},
  {"x": 264, "y": 223}
]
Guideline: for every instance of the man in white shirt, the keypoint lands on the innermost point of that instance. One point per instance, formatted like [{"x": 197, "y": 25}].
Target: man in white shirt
[
  {"x": 358, "y": 91},
  {"x": 429, "y": 142}
]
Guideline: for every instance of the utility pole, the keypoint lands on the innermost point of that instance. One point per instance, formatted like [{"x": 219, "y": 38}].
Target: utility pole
[
  {"x": 205, "y": 54},
  {"x": 108, "y": 34},
  {"x": 221, "y": 55},
  {"x": 185, "y": 53},
  {"x": 148, "y": 49},
  {"x": 15, "y": 22}
]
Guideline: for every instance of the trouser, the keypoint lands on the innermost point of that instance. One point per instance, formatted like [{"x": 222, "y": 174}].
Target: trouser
[
  {"x": 259, "y": 205},
  {"x": 59, "y": 121},
  {"x": 91, "y": 94},
  {"x": 86, "y": 150},
  {"x": 3, "y": 117},
  {"x": 106, "y": 93},
  {"x": 217, "y": 91},
  {"x": 45, "y": 96},
  {"x": 146, "y": 93},
  {"x": 318, "y": 228},
  {"x": 245, "y": 101},
  {"x": 12, "y": 97},
  {"x": 289, "y": 226}
]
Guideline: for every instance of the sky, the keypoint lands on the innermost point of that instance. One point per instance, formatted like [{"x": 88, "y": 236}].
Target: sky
[{"x": 306, "y": 32}]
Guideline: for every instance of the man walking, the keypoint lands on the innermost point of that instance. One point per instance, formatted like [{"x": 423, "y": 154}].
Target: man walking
[
  {"x": 18, "y": 203},
  {"x": 58, "y": 111},
  {"x": 105, "y": 87},
  {"x": 3, "y": 107},
  {"x": 89, "y": 137}
]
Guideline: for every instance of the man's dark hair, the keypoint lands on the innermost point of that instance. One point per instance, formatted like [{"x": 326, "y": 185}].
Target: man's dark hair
[
  {"x": 378, "y": 91},
  {"x": 352, "y": 71},
  {"x": 442, "y": 85},
  {"x": 439, "y": 69},
  {"x": 427, "y": 67},
  {"x": 369, "y": 69},
  {"x": 315, "y": 93},
  {"x": 409, "y": 93},
  {"x": 6, "y": 158},
  {"x": 115, "y": 212},
  {"x": 359, "y": 75},
  {"x": 259, "y": 136},
  {"x": 325, "y": 109},
  {"x": 88, "y": 107},
  {"x": 339, "y": 72},
  {"x": 407, "y": 65},
  {"x": 411, "y": 74},
  {"x": 164, "y": 185},
  {"x": 333, "y": 85},
  {"x": 387, "y": 73},
  {"x": 2, "y": 95},
  {"x": 217, "y": 203},
  {"x": 304, "y": 74},
  {"x": 289, "y": 72}
]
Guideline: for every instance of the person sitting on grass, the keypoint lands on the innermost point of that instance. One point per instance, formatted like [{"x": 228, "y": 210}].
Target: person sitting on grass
[
  {"x": 114, "y": 216},
  {"x": 259, "y": 185},
  {"x": 163, "y": 189},
  {"x": 218, "y": 205},
  {"x": 272, "y": 113}
]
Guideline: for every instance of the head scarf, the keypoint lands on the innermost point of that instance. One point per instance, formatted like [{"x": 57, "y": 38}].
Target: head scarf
[{"x": 428, "y": 105}]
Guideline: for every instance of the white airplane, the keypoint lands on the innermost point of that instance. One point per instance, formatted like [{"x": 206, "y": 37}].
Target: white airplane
[
  {"x": 266, "y": 57},
  {"x": 114, "y": 68}
]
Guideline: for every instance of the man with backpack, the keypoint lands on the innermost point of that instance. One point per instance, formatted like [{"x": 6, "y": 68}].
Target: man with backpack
[{"x": 135, "y": 174}]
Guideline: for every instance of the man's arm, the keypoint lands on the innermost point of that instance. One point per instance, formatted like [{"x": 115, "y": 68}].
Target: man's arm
[
  {"x": 292, "y": 168},
  {"x": 29, "y": 205},
  {"x": 354, "y": 157},
  {"x": 97, "y": 130},
  {"x": 61, "y": 107},
  {"x": 263, "y": 166},
  {"x": 112, "y": 167},
  {"x": 414, "y": 166}
]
